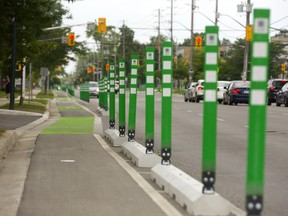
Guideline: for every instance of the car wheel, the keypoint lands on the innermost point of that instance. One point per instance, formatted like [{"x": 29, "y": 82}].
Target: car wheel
[
  {"x": 185, "y": 99},
  {"x": 286, "y": 102},
  {"x": 229, "y": 101},
  {"x": 196, "y": 99},
  {"x": 235, "y": 103},
  {"x": 277, "y": 103},
  {"x": 190, "y": 99}
]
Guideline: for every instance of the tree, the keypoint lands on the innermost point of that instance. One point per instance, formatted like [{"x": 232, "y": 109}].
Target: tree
[
  {"x": 232, "y": 66},
  {"x": 277, "y": 53}
]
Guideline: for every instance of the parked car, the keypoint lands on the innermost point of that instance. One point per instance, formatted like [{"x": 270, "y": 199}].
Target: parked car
[
  {"x": 221, "y": 89},
  {"x": 198, "y": 93},
  {"x": 274, "y": 86},
  {"x": 93, "y": 89},
  {"x": 189, "y": 91},
  {"x": 282, "y": 96},
  {"x": 237, "y": 92}
]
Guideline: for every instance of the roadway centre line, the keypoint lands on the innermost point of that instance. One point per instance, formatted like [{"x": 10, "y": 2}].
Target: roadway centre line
[
  {"x": 164, "y": 205},
  {"x": 150, "y": 191}
]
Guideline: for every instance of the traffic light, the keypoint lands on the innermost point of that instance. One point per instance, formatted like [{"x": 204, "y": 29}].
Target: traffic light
[
  {"x": 283, "y": 68},
  {"x": 249, "y": 32},
  {"x": 93, "y": 68},
  {"x": 88, "y": 70},
  {"x": 107, "y": 67},
  {"x": 102, "y": 25},
  {"x": 198, "y": 42},
  {"x": 71, "y": 39}
]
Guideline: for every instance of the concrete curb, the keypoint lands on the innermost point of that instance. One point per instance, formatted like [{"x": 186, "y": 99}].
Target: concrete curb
[
  {"x": 9, "y": 137},
  {"x": 188, "y": 192},
  {"x": 137, "y": 154}
]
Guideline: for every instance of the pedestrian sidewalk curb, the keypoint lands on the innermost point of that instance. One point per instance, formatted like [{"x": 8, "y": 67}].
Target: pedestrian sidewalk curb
[{"x": 9, "y": 137}]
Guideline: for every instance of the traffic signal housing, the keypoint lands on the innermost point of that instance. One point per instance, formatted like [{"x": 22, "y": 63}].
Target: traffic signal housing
[
  {"x": 283, "y": 68},
  {"x": 102, "y": 25},
  {"x": 198, "y": 42},
  {"x": 71, "y": 39}
]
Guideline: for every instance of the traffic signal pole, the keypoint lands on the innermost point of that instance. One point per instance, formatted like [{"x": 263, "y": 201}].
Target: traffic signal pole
[
  {"x": 257, "y": 113},
  {"x": 12, "y": 78}
]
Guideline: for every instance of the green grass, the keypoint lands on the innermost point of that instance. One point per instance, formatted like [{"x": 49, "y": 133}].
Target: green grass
[
  {"x": 26, "y": 107},
  {"x": 71, "y": 125}
]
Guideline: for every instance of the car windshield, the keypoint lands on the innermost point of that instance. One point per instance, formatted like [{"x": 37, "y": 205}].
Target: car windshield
[
  {"x": 223, "y": 84},
  {"x": 93, "y": 84},
  {"x": 242, "y": 84},
  {"x": 279, "y": 83}
]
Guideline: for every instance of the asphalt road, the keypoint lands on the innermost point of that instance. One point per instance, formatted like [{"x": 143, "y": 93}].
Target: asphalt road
[{"x": 231, "y": 147}]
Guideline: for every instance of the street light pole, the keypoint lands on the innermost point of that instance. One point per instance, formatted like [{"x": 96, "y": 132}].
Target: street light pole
[{"x": 191, "y": 42}]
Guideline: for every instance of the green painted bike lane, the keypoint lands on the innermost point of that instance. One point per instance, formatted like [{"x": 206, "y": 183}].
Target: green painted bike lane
[{"x": 74, "y": 119}]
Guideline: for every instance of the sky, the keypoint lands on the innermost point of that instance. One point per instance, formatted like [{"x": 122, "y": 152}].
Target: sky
[{"x": 142, "y": 17}]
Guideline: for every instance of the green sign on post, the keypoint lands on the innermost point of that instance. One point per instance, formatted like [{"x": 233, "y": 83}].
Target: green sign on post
[
  {"x": 257, "y": 113},
  {"x": 133, "y": 98},
  {"x": 112, "y": 95},
  {"x": 122, "y": 98},
  {"x": 149, "y": 142},
  {"x": 210, "y": 110},
  {"x": 166, "y": 138}
]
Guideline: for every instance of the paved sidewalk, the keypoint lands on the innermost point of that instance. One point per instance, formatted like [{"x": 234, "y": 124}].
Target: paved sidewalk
[{"x": 73, "y": 171}]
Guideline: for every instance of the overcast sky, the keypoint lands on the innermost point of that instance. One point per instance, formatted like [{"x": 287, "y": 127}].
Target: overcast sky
[{"x": 142, "y": 16}]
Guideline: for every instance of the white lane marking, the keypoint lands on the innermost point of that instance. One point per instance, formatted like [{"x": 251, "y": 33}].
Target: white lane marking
[
  {"x": 189, "y": 111},
  {"x": 286, "y": 114},
  {"x": 236, "y": 211},
  {"x": 150, "y": 191},
  {"x": 201, "y": 114},
  {"x": 67, "y": 161}
]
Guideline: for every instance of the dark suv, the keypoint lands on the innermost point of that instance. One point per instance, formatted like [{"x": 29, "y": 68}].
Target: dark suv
[{"x": 274, "y": 86}]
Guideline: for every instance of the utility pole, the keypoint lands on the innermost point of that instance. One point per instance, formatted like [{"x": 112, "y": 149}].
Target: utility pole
[
  {"x": 216, "y": 13},
  {"x": 171, "y": 20},
  {"x": 247, "y": 42},
  {"x": 191, "y": 41},
  {"x": 159, "y": 42}
]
